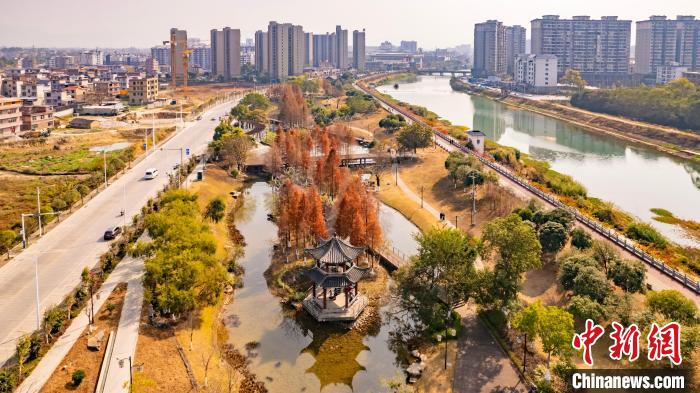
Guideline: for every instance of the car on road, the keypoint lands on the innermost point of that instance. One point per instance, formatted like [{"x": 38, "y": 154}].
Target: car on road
[
  {"x": 213, "y": 119},
  {"x": 151, "y": 173},
  {"x": 199, "y": 117},
  {"x": 112, "y": 232}
]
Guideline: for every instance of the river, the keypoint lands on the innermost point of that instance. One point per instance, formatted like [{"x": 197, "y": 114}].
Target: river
[
  {"x": 293, "y": 353},
  {"x": 634, "y": 178}
]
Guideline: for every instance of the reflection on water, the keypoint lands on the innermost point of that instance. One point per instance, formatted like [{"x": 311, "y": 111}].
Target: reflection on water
[
  {"x": 635, "y": 179},
  {"x": 293, "y": 354}
]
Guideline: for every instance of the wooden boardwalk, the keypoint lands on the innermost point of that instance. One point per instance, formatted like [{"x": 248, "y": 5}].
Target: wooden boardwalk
[{"x": 393, "y": 258}]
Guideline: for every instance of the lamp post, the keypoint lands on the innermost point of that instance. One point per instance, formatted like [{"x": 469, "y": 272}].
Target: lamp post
[
  {"x": 179, "y": 169},
  {"x": 131, "y": 377}
]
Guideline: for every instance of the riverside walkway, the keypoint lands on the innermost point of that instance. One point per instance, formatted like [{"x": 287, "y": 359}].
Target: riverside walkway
[{"x": 690, "y": 285}]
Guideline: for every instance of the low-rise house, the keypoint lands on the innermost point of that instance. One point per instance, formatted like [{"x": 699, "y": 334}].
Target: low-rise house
[
  {"x": 37, "y": 118},
  {"x": 10, "y": 116},
  {"x": 143, "y": 91},
  {"x": 83, "y": 123},
  {"x": 477, "y": 139}
]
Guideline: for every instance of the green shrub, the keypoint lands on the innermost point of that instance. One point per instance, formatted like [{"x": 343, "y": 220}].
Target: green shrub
[
  {"x": 646, "y": 234},
  {"x": 77, "y": 377},
  {"x": 552, "y": 236},
  {"x": 234, "y": 173},
  {"x": 581, "y": 239}
]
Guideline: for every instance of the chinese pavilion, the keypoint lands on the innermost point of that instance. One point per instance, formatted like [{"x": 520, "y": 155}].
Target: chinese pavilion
[{"x": 335, "y": 274}]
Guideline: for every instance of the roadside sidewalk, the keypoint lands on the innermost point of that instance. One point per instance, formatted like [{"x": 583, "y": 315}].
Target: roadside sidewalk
[
  {"x": 125, "y": 272},
  {"x": 128, "y": 331}
]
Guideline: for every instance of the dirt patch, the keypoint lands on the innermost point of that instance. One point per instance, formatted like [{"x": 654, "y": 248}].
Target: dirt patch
[
  {"x": 82, "y": 358},
  {"x": 162, "y": 366}
]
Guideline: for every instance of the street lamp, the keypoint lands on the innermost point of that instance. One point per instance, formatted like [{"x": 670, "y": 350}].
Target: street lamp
[
  {"x": 138, "y": 367},
  {"x": 179, "y": 169}
]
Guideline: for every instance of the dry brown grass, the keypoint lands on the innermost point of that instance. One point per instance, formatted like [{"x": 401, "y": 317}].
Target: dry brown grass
[
  {"x": 157, "y": 351},
  {"x": 392, "y": 196},
  {"x": 82, "y": 358},
  {"x": 439, "y": 191}
]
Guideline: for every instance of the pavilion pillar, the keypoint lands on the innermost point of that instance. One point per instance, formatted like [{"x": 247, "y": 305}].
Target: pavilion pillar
[
  {"x": 324, "y": 297},
  {"x": 356, "y": 285},
  {"x": 346, "y": 296},
  {"x": 314, "y": 291}
]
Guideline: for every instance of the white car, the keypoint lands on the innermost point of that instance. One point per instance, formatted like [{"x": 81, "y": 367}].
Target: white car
[{"x": 151, "y": 173}]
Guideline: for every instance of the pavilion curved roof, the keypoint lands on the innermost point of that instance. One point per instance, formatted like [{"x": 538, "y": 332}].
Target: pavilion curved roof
[
  {"x": 334, "y": 280},
  {"x": 335, "y": 251}
]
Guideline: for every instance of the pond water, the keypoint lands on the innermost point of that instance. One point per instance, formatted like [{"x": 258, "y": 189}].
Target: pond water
[
  {"x": 634, "y": 178},
  {"x": 294, "y": 353}
]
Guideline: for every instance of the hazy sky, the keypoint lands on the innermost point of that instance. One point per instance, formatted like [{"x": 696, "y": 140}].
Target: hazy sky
[{"x": 433, "y": 23}]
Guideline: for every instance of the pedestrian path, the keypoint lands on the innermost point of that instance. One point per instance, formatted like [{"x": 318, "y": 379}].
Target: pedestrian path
[
  {"x": 124, "y": 272},
  {"x": 128, "y": 331},
  {"x": 481, "y": 365},
  {"x": 412, "y": 195}
]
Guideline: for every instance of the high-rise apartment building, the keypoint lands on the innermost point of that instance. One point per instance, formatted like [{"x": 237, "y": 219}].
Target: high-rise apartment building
[
  {"x": 162, "y": 54},
  {"x": 201, "y": 57},
  {"x": 489, "y": 49},
  {"x": 178, "y": 46},
  {"x": 226, "y": 53},
  {"x": 341, "y": 48},
  {"x": 278, "y": 36},
  {"x": 599, "y": 48},
  {"x": 409, "y": 46},
  {"x": 262, "y": 53},
  {"x": 358, "y": 50},
  {"x": 661, "y": 41},
  {"x": 285, "y": 54},
  {"x": 321, "y": 49},
  {"x": 516, "y": 37},
  {"x": 297, "y": 56},
  {"x": 308, "y": 49}
]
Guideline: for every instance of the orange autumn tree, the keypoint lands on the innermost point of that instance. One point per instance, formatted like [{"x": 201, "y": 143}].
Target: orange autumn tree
[
  {"x": 357, "y": 215},
  {"x": 315, "y": 220}
]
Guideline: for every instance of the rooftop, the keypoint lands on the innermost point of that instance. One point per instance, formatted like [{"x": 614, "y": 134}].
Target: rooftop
[{"x": 335, "y": 251}]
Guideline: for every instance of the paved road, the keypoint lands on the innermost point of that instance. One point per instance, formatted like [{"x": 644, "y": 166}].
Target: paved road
[
  {"x": 493, "y": 372},
  {"x": 77, "y": 241}
]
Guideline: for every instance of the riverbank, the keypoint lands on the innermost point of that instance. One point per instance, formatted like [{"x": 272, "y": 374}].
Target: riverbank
[
  {"x": 678, "y": 143},
  {"x": 538, "y": 172}
]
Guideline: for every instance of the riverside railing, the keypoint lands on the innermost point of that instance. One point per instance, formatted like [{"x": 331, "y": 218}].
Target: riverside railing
[{"x": 608, "y": 233}]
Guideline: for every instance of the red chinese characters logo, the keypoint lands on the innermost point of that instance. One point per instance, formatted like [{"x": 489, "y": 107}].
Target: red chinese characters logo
[
  {"x": 662, "y": 342},
  {"x": 625, "y": 342},
  {"x": 587, "y": 339},
  {"x": 665, "y": 342}
]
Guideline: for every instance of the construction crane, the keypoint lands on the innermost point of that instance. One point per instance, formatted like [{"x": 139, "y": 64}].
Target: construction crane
[{"x": 186, "y": 68}]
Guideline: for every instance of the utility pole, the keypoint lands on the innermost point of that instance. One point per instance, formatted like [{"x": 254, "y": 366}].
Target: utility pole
[
  {"x": 456, "y": 222},
  {"x": 153, "y": 130},
  {"x": 36, "y": 287},
  {"x": 38, "y": 209},
  {"x": 473, "y": 177},
  {"x": 104, "y": 160}
]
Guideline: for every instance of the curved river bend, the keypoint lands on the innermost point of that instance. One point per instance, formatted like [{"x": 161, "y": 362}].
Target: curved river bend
[
  {"x": 635, "y": 179},
  {"x": 293, "y": 354}
]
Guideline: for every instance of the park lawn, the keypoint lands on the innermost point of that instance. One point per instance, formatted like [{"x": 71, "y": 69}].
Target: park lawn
[
  {"x": 429, "y": 172},
  {"x": 393, "y": 197}
]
